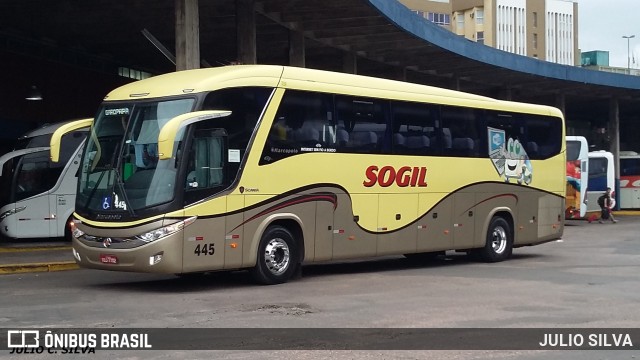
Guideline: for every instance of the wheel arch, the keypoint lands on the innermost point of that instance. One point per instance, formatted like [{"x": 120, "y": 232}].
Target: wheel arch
[
  {"x": 290, "y": 221},
  {"x": 503, "y": 212}
]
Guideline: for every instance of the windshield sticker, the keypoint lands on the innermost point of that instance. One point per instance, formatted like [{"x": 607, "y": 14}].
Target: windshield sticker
[
  {"x": 106, "y": 202},
  {"x": 234, "y": 155},
  {"x": 117, "y": 203},
  {"x": 509, "y": 157},
  {"x": 121, "y": 111}
]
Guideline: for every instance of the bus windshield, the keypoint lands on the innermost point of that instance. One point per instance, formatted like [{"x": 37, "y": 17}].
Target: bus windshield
[{"x": 120, "y": 168}]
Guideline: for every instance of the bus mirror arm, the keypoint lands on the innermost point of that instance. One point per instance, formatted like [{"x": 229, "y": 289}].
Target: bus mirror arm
[
  {"x": 169, "y": 131},
  {"x": 56, "y": 138}
]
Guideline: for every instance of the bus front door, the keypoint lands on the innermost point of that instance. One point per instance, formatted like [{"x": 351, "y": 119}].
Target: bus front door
[{"x": 33, "y": 181}]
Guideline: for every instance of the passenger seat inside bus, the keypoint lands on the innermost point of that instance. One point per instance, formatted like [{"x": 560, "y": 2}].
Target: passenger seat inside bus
[
  {"x": 532, "y": 149},
  {"x": 362, "y": 141},
  {"x": 342, "y": 137},
  {"x": 411, "y": 144},
  {"x": 463, "y": 146},
  {"x": 307, "y": 135}
]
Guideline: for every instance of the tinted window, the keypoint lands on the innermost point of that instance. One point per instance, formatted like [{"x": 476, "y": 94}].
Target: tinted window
[
  {"x": 414, "y": 128},
  {"x": 461, "y": 132},
  {"x": 598, "y": 174},
  {"x": 544, "y": 136},
  {"x": 70, "y": 143},
  {"x": 304, "y": 123},
  {"x": 629, "y": 167},
  {"x": 573, "y": 150},
  {"x": 35, "y": 174},
  {"x": 539, "y": 136},
  {"x": 246, "y": 105},
  {"x": 363, "y": 125}
]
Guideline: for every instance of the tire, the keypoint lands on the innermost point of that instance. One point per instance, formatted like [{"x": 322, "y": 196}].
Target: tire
[
  {"x": 499, "y": 243},
  {"x": 277, "y": 257}
]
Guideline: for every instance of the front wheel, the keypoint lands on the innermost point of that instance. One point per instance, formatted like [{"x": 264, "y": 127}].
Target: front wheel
[
  {"x": 277, "y": 257},
  {"x": 499, "y": 243}
]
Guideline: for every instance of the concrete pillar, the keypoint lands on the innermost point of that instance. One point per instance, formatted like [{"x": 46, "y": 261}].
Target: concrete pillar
[
  {"x": 614, "y": 133},
  {"x": 187, "y": 35},
  {"x": 246, "y": 31},
  {"x": 296, "y": 48},
  {"x": 350, "y": 63}
]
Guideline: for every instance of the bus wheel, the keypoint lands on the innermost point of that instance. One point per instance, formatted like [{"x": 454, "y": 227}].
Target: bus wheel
[
  {"x": 277, "y": 257},
  {"x": 499, "y": 244}
]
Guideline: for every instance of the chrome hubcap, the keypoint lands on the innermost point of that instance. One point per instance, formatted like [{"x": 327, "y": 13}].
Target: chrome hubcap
[
  {"x": 499, "y": 240},
  {"x": 276, "y": 256}
]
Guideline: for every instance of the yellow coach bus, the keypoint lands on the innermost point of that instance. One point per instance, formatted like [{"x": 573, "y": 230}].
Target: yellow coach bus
[{"x": 267, "y": 168}]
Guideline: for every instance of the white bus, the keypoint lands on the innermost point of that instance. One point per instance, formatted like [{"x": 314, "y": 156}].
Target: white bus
[
  {"x": 39, "y": 194},
  {"x": 629, "y": 180},
  {"x": 577, "y": 177},
  {"x": 601, "y": 176}
]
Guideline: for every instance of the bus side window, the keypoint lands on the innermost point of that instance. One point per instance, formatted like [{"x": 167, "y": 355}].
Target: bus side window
[
  {"x": 205, "y": 167},
  {"x": 463, "y": 124},
  {"x": 414, "y": 128},
  {"x": 35, "y": 174},
  {"x": 540, "y": 144},
  {"x": 303, "y": 123},
  {"x": 365, "y": 123}
]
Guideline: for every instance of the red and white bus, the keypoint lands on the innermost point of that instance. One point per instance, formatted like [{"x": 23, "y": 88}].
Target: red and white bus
[
  {"x": 629, "y": 180},
  {"x": 577, "y": 177}
]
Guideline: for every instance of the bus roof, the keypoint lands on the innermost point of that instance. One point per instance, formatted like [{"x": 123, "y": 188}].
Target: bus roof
[
  {"x": 44, "y": 129},
  {"x": 201, "y": 80}
]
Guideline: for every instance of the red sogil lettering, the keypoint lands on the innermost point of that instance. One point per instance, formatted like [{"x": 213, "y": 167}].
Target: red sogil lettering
[{"x": 403, "y": 177}]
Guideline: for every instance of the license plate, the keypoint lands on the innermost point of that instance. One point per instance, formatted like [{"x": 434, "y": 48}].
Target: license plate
[{"x": 108, "y": 259}]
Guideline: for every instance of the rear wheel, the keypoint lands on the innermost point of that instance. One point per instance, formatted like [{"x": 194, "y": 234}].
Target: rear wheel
[
  {"x": 277, "y": 256},
  {"x": 499, "y": 243}
]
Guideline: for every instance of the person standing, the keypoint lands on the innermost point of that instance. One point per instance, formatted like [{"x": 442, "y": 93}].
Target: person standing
[{"x": 606, "y": 202}]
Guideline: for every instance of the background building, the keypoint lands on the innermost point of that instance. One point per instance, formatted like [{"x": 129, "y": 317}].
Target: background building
[
  {"x": 599, "y": 60},
  {"x": 542, "y": 29}
]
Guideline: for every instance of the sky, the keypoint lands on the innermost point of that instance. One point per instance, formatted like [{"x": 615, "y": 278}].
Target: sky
[{"x": 601, "y": 25}]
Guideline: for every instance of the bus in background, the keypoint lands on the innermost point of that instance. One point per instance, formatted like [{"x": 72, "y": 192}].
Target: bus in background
[
  {"x": 39, "y": 194},
  {"x": 577, "y": 177},
  {"x": 629, "y": 180},
  {"x": 601, "y": 176},
  {"x": 265, "y": 168}
]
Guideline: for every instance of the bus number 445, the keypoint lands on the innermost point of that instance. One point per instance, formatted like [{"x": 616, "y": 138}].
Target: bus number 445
[{"x": 204, "y": 249}]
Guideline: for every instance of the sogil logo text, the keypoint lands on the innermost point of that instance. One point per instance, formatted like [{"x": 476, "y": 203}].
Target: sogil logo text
[{"x": 402, "y": 177}]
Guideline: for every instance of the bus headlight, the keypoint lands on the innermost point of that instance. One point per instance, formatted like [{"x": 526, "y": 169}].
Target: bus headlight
[
  {"x": 11, "y": 212},
  {"x": 77, "y": 233},
  {"x": 165, "y": 230}
]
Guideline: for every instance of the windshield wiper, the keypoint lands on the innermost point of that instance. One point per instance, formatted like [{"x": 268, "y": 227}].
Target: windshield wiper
[
  {"x": 120, "y": 184},
  {"x": 93, "y": 191}
]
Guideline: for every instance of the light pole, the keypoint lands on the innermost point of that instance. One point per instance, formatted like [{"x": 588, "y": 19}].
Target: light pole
[{"x": 628, "y": 37}]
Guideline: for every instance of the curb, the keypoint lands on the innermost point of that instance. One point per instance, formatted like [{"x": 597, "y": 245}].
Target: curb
[
  {"x": 38, "y": 267},
  {"x": 30, "y": 249},
  {"x": 626, "y": 212}
]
